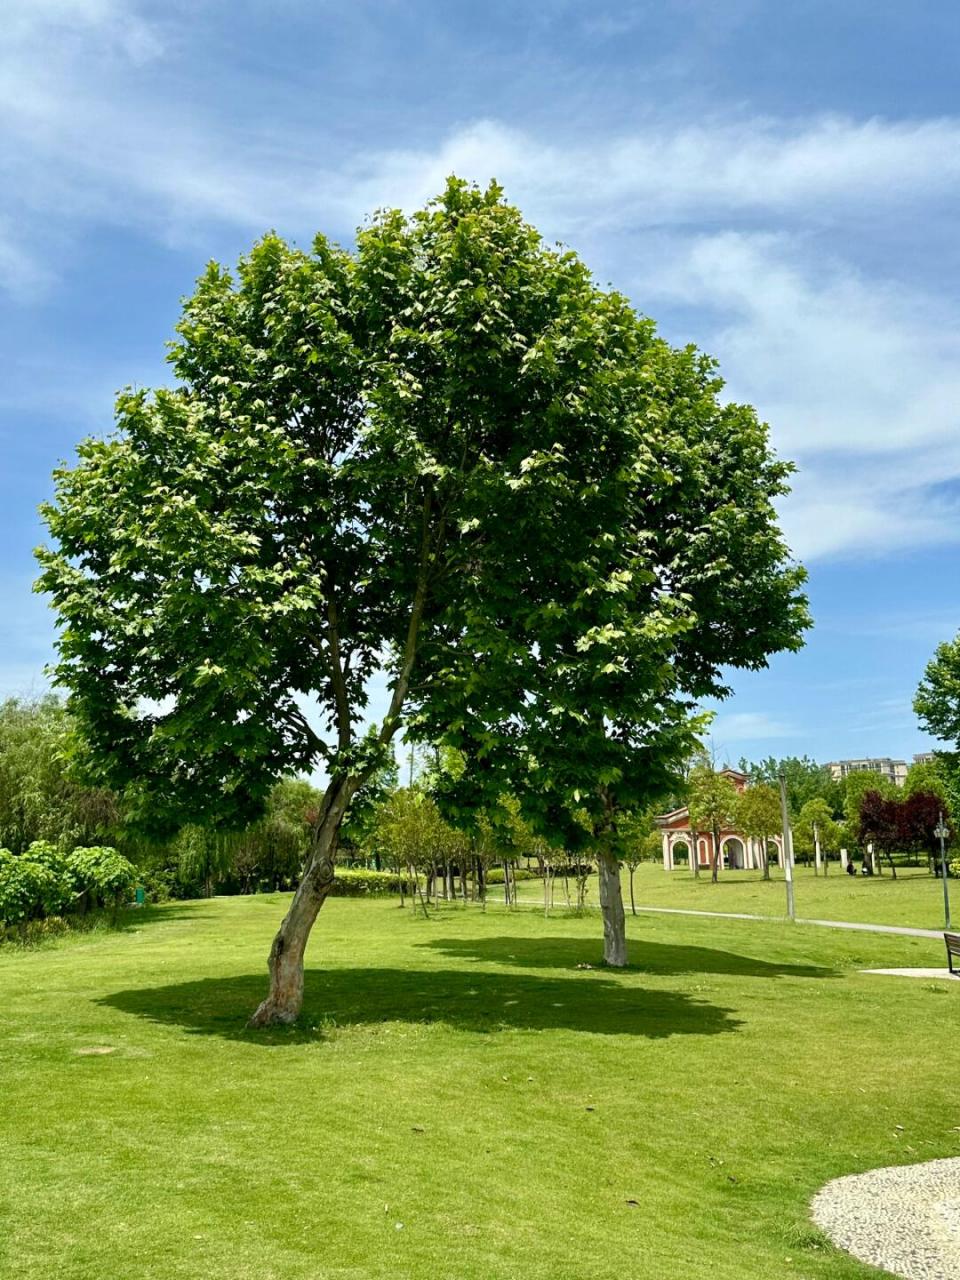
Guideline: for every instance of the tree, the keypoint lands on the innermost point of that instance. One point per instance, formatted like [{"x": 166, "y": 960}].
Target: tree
[
  {"x": 918, "y": 817},
  {"x": 937, "y": 700},
  {"x": 712, "y": 804},
  {"x": 815, "y": 825},
  {"x": 879, "y": 824},
  {"x": 675, "y": 569},
  {"x": 805, "y": 779},
  {"x": 409, "y": 829},
  {"x": 855, "y": 787},
  {"x": 42, "y": 796},
  {"x": 204, "y": 857},
  {"x": 758, "y": 817},
  {"x": 639, "y": 842},
  {"x": 446, "y": 450}
]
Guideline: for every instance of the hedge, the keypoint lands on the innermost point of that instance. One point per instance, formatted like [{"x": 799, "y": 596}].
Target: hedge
[
  {"x": 355, "y": 882},
  {"x": 495, "y": 875}
]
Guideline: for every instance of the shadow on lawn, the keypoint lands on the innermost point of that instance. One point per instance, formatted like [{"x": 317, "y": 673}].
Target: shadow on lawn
[
  {"x": 477, "y": 1002},
  {"x": 645, "y": 957}
]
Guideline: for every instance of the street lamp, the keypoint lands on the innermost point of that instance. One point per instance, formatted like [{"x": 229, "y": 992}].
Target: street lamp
[
  {"x": 941, "y": 831},
  {"x": 787, "y": 847}
]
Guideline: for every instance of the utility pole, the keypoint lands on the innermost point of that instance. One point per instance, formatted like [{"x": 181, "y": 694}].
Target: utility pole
[
  {"x": 787, "y": 848},
  {"x": 942, "y": 831},
  {"x": 816, "y": 850}
]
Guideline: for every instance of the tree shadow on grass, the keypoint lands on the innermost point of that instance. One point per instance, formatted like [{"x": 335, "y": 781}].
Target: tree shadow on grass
[
  {"x": 473, "y": 1001},
  {"x": 645, "y": 957}
]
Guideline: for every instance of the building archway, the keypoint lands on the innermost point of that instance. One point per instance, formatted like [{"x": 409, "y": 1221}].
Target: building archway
[
  {"x": 734, "y": 853},
  {"x": 680, "y": 849}
]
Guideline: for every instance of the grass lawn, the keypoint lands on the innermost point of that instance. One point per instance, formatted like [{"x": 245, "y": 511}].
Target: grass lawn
[
  {"x": 462, "y": 1102},
  {"x": 914, "y": 898}
]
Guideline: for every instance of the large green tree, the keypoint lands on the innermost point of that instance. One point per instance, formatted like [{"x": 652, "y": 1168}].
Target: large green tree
[
  {"x": 414, "y": 456},
  {"x": 937, "y": 700}
]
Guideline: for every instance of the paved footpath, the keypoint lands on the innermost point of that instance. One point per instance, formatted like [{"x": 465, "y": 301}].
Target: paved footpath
[
  {"x": 743, "y": 915},
  {"x": 826, "y": 924}
]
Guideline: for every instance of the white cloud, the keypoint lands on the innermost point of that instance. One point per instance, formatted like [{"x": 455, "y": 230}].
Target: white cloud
[
  {"x": 858, "y": 375},
  {"x": 748, "y": 726},
  {"x": 859, "y": 378}
]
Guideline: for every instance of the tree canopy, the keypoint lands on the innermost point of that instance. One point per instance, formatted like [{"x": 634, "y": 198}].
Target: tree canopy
[
  {"x": 447, "y": 454},
  {"x": 937, "y": 700}
]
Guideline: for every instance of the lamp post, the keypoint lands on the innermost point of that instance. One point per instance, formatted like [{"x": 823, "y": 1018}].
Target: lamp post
[
  {"x": 941, "y": 831},
  {"x": 787, "y": 850}
]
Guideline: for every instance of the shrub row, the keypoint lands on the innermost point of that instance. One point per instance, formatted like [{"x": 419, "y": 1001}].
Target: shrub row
[
  {"x": 356, "y": 882},
  {"x": 45, "y": 882},
  {"x": 495, "y": 875}
]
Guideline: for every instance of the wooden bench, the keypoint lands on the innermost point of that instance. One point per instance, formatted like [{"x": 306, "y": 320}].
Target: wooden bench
[{"x": 953, "y": 949}]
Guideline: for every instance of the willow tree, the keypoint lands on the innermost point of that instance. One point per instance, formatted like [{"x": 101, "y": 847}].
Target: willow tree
[{"x": 415, "y": 455}]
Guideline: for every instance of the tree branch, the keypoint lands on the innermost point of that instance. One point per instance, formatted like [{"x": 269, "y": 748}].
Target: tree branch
[
  {"x": 340, "y": 694},
  {"x": 294, "y": 716},
  {"x": 391, "y": 720}
]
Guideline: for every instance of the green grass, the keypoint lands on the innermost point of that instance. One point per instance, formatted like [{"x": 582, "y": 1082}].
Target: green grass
[
  {"x": 914, "y": 898},
  {"x": 461, "y": 1076}
]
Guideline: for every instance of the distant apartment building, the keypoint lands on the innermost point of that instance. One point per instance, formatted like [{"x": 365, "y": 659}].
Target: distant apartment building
[
  {"x": 924, "y": 757},
  {"x": 894, "y": 771}
]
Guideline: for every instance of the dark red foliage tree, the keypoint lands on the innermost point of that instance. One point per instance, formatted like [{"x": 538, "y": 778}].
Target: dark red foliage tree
[
  {"x": 917, "y": 819},
  {"x": 879, "y": 824}
]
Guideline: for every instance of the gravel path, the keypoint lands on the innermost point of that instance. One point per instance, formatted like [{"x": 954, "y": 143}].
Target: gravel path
[{"x": 905, "y": 1219}]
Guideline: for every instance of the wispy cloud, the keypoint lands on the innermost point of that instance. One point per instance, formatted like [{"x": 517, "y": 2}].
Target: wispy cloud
[
  {"x": 748, "y": 726},
  {"x": 857, "y": 371}
]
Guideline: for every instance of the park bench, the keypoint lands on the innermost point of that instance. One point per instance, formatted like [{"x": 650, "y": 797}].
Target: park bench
[{"x": 953, "y": 949}]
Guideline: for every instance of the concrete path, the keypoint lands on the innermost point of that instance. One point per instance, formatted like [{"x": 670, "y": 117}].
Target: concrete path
[
  {"x": 905, "y": 1219},
  {"x": 826, "y": 924},
  {"x": 916, "y": 973},
  {"x": 742, "y": 915}
]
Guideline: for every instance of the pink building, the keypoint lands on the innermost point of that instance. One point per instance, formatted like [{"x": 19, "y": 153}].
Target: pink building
[{"x": 737, "y": 851}]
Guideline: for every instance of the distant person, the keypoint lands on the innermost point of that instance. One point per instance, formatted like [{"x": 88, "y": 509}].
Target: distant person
[{"x": 851, "y": 868}]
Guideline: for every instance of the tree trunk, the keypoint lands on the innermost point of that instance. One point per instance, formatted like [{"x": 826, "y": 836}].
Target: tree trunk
[
  {"x": 611, "y": 908},
  {"x": 695, "y": 853},
  {"x": 715, "y": 856},
  {"x": 285, "y": 996},
  {"x": 633, "y": 902}
]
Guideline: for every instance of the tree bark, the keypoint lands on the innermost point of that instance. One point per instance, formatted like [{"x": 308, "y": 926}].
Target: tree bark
[
  {"x": 611, "y": 908},
  {"x": 285, "y": 995}
]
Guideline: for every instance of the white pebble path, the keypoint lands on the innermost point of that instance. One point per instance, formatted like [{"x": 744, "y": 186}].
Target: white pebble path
[{"x": 905, "y": 1219}]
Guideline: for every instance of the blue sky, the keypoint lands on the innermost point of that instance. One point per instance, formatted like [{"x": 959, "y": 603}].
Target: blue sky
[{"x": 775, "y": 182}]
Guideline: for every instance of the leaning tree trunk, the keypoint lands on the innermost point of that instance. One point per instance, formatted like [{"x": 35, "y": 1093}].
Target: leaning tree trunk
[
  {"x": 285, "y": 996},
  {"x": 611, "y": 908}
]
